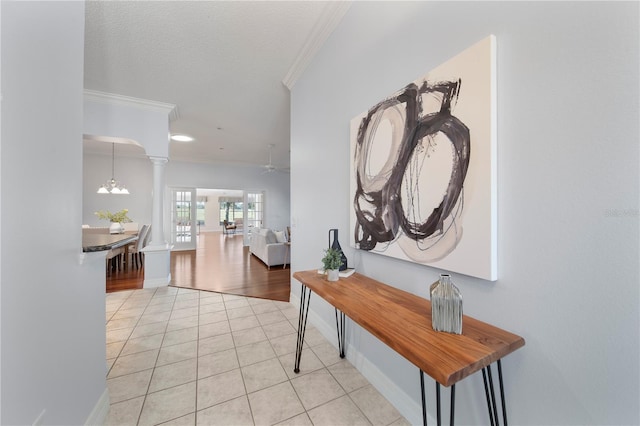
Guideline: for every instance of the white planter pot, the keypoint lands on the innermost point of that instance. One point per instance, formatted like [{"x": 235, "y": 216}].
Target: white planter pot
[
  {"x": 116, "y": 228},
  {"x": 333, "y": 274}
]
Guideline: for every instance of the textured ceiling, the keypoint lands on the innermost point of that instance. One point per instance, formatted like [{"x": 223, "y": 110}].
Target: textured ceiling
[{"x": 222, "y": 63}]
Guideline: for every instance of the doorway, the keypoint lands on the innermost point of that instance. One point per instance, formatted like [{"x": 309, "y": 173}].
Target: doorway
[
  {"x": 199, "y": 210},
  {"x": 183, "y": 218},
  {"x": 213, "y": 206}
]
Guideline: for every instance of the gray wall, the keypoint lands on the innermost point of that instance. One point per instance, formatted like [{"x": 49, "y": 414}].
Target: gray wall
[
  {"x": 568, "y": 202},
  {"x": 52, "y": 312}
]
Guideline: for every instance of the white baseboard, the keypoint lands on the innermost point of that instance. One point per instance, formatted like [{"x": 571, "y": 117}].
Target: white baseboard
[
  {"x": 411, "y": 410},
  {"x": 99, "y": 413},
  {"x": 156, "y": 282}
]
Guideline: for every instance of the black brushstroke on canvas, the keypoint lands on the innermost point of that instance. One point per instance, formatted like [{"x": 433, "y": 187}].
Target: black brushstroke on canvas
[{"x": 379, "y": 213}]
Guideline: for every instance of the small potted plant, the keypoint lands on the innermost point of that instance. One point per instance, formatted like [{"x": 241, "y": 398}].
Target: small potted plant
[
  {"x": 331, "y": 261},
  {"x": 116, "y": 219}
]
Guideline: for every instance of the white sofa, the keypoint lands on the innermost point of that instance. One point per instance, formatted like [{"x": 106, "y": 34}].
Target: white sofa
[{"x": 269, "y": 246}]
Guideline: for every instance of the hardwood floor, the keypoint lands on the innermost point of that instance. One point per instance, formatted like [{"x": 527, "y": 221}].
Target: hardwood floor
[{"x": 220, "y": 264}]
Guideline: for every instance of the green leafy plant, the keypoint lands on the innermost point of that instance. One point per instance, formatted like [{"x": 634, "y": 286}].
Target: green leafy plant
[
  {"x": 119, "y": 217},
  {"x": 332, "y": 259}
]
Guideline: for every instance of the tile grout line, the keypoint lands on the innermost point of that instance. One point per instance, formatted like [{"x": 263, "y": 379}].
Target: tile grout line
[
  {"x": 253, "y": 308},
  {"x": 144, "y": 400},
  {"x": 289, "y": 379},
  {"x": 253, "y": 418},
  {"x": 128, "y": 336},
  {"x": 158, "y": 356},
  {"x": 195, "y": 413}
]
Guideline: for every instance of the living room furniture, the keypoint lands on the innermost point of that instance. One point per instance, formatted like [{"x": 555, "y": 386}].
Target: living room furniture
[
  {"x": 228, "y": 227},
  {"x": 403, "y": 322},
  {"x": 265, "y": 245},
  {"x": 287, "y": 255}
]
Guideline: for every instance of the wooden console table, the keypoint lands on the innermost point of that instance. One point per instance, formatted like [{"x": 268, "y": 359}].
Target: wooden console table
[{"x": 403, "y": 322}]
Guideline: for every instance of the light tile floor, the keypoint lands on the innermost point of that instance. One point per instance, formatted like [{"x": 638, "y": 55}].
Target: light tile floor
[{"x": 188, "y": 357}]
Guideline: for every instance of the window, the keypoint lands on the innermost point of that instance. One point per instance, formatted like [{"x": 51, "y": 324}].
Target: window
[
  {"x": 200, "y": 210},
  {"x": 183, "y": 214},
  {"x": 230, "y": 210},
  {"x": 255, "y": 209}
]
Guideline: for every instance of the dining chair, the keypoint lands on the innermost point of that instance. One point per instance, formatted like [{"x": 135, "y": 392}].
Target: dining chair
[
  {"x": 136, "y": 248},
  {"x": 114, "y": 259},
  {"x": 148, "y": 237}
]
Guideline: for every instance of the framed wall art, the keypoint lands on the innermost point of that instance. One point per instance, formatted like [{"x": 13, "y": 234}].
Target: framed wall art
[{"x": 423, "y": 168}]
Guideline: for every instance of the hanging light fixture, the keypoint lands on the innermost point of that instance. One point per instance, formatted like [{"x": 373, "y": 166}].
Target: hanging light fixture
[{"x": 112, "y": 186}]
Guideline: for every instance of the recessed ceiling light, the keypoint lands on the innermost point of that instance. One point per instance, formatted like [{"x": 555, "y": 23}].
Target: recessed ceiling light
[{"x": 181, "y": 138}]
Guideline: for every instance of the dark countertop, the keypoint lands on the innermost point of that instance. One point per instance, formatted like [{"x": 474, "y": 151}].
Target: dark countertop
[{"x": 102, "y": 242}]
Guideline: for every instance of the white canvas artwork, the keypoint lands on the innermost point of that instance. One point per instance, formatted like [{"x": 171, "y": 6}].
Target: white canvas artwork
[{"x": 423, "y": 169}]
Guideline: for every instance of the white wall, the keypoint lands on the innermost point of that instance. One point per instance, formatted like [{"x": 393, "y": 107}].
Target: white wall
[
  {"x": 136, "y": 173},
  {"x": 568, "y": 179},
  {"x": 53, "y": 312},
  {"x": 146, "y": 126},
  {"x": 211, "y": 215}
]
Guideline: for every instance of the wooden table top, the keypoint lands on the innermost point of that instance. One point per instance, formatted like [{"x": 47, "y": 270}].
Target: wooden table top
[{"x": 403, "y": 321}]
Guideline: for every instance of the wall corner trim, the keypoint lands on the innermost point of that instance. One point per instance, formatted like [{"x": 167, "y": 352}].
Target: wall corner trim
[
  {"x": 328, "y": 21},
  {"x": 100, "y": 411},
  {"x": 121, "y": 100}
]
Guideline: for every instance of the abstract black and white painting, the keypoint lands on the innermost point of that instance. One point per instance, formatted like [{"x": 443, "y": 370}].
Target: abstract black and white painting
[{"x": 423, "y": 168}]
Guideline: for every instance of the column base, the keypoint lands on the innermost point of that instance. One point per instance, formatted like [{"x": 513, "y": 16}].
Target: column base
[{"x": 157, "y": 266}]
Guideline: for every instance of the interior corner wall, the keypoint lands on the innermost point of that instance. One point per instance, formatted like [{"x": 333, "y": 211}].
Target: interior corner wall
[
  {"x": 568, "y": 205},
  {"x": 53, "y": 308}
]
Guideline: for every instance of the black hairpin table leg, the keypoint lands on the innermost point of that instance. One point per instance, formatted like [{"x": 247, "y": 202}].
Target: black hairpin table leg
[
  {"x": 438, "y": 415},
  {"x": 488, "y": 395},
  {"x": 489, "y": 390},
  {"x": 340, "y": 328},
  {"x": 504, "y": 404},
  {"x": 424, "y": 399},
  {"x": 305, "y": 297},
  {"x": 452, "y": 407}
]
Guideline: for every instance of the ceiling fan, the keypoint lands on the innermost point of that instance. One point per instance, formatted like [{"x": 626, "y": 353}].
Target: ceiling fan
[{"x": 270, "y": 167}]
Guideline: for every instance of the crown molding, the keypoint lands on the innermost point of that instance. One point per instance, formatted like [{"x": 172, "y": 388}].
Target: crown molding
[
  {"x": 112, "y": 99},
  {"x": 331, "y": 16}
]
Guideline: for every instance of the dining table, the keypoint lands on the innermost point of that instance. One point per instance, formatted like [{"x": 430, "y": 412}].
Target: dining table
[{"x": 106, "y": 242}]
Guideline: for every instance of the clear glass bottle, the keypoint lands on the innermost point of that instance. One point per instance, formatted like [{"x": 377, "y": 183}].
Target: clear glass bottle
[{"x": 446, "y": 305}]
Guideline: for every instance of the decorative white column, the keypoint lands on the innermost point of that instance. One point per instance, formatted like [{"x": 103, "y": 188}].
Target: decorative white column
[
  {"x": 157, "y": 225},
  {"x": 157, "y": 263}
]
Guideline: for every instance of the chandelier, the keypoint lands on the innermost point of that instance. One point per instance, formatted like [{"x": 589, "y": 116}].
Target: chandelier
[{"x": 112, "y": 186}]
